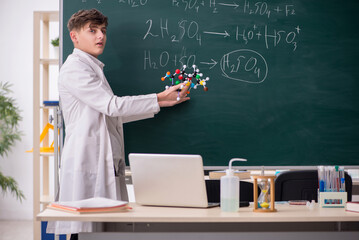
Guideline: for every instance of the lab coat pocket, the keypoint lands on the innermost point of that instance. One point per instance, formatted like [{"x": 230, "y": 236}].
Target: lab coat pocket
[{"x": 86, "y": 154}]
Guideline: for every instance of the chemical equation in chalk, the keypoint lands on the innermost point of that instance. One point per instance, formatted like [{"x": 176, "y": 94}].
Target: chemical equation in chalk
[
  {"x": 192, "y": 79},
  {"x": 244, "y": 65}
]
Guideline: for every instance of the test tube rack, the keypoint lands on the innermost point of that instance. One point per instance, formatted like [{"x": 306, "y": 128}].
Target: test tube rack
[{"x": 332, "y": 199}]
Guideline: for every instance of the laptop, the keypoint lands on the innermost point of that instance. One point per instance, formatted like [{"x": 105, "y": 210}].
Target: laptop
[{"x": 175, "y": 180}]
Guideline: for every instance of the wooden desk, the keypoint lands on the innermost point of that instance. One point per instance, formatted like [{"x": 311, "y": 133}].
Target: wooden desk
[{"x": 288, "y": 220}]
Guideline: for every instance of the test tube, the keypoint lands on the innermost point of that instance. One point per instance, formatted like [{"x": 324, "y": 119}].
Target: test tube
[
  {"x": 327, "y": 178},
  {"x": 336, "y": 179},
  {"x": 321, "y": 181},
  {"x": 342, "y": 179}
]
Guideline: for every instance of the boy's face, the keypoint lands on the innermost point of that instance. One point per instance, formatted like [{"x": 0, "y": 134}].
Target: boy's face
[{"x": 91, "y": 38}]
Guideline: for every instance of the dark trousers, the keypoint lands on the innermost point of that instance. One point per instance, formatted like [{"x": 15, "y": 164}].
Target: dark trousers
[{"x": 74, "y": 237}]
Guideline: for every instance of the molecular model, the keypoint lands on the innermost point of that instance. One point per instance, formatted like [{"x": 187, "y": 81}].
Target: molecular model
[{"x": 187, "y": 78}]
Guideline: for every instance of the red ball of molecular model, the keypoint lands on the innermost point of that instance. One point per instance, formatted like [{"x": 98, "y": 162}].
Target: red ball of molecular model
[{"x": 192, "y": 80}]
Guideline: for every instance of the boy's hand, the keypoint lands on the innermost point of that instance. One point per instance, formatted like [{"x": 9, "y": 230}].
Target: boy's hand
[{"x": 168, "y": 97}]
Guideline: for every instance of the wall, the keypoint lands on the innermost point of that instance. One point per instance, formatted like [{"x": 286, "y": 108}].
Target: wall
[{"x": 16, "y": 17}]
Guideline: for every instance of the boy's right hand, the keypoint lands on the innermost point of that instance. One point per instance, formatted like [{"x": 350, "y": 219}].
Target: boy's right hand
[{"x": 168, "y": 98}]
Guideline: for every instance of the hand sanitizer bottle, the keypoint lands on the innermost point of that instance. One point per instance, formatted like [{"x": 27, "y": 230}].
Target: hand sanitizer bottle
[{"x": 230, "y": 189}]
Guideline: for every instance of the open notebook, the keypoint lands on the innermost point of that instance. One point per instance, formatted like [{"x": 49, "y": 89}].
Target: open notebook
[{"x": 169, "y": 180}]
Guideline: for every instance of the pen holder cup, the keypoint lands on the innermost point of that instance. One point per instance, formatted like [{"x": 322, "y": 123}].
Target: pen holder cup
[
  {"x": 266, "y": 200},
  {"x": 332, "y": 199}
]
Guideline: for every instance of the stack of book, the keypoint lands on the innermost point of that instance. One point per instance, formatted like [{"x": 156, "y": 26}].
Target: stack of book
[
  {"x": 91, "y": 205},
  {"x": 352, "y": 207}
]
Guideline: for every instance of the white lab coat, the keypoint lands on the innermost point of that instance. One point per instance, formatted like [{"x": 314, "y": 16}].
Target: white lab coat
[{"x": 93, "y": 118}]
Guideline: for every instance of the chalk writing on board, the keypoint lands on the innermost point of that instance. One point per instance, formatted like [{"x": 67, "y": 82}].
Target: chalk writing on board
[
  {"x": 272, "y": 37},
  {"x": 190, "y": 29},
  {"x": 165, "y": 57},
  {"x": 262, "y": 8},
  {"x": 133, "y": 3},
  {"x": 244, "y": 65},
  {"x": 224, "y": 34},
  {"x": 186, "y": 28},
  {"x": 246, "y": 7}
]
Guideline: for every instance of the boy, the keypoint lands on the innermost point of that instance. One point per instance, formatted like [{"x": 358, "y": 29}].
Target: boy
[{"x": 93, "y": 162}]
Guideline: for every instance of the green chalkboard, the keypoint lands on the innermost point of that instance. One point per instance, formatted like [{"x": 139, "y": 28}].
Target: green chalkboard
[{"x": 284, "y": 76}]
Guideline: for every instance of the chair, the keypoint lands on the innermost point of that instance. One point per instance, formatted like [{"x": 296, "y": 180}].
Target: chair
[
  {"x": 214, "y": 189},
  {"x": 302, "y": 185}
]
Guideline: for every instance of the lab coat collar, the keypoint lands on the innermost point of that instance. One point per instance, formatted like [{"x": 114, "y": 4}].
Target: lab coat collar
[{"x": 95, "y": 60}]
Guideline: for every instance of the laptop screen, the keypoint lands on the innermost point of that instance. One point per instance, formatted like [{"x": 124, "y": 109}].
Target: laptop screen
[{"x": 168, "y": 180}]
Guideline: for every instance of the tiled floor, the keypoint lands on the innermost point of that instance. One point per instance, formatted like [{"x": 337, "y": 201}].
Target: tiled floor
[{"x": 16, "y": 230}]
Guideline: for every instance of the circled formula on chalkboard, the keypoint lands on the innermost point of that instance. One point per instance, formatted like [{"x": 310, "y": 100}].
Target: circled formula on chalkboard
[{"x": 244, "y": 65}]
